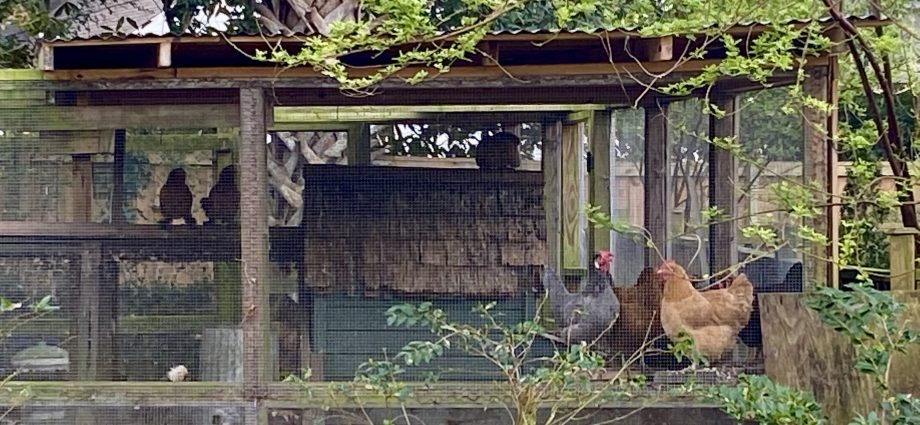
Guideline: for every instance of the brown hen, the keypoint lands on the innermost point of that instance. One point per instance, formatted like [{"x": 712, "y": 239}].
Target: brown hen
[
  {"x": 712, "y": 318},
  {"x": 639, "y": 313}
]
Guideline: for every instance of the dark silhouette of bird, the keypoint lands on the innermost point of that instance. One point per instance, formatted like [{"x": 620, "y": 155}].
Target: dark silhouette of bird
[
  {"x": 223, "y": 202},
  {"x": 176, "y": 199},
  {"x": 586, "y": 314},
  {"x": 500, "y": 151}
]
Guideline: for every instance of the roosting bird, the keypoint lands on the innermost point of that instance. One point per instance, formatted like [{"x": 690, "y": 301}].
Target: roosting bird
[
  {"x": 176, "y": 199},
  {"x": 712, "y": 318},
  {"x": 222, "y": 203},
  {"x": 587, "y": 314},
  {"x": 500, "y": 151}
]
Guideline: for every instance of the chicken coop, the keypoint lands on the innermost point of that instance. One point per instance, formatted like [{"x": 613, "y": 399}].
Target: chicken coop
[{"x": 192, "y": 211}]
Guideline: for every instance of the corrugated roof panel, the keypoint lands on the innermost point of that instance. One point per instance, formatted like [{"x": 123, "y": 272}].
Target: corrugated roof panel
[{"x": 111, "y": 18}]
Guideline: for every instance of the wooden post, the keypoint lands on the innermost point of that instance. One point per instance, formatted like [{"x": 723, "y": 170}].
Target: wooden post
[
  {"x": 601, "y": 190},
  {"x": 574, "y": 171},
  {"x": 722, "y": 250},
  {"x": 254, "y": 241},
  {"x": 359, "y": 144},
  {"x": 820, "y": 165},
  {"x": 902, "y": 250},
  {"x": 118, "y": 178},
  {"x": 552, "y": 192},
  {"x": 82, "y": 189},
  {"x": 656, "y": 180}
]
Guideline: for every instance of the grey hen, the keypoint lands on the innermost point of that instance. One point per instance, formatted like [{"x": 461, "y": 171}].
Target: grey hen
[{"x": 584, "y": 315}]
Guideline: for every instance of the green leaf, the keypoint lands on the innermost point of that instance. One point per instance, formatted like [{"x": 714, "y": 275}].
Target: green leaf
[{"x": 7, "y": 306}]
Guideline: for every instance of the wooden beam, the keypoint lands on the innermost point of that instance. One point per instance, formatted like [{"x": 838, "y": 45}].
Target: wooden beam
[
  {"x": 86, "y": 355},
  {"x": 45, "y": 58},
  {"x": 118, "y": 177},
  {"x": 656, "y": 181},
  {"x": 552, "y": 192},
  {"x": 82, "y": 189},
  {"x": 601, "y": 189},
  {"x": 168, "y": 79},
  {"x": 574, "y": 173},
  {"x": 359, "y": 144},
  {"x": 57, "y": 394},
  {"x": 164, "y": 54},
  {"x": 20, "y": 74},
  {"x": 347, "y": 114},
  {"x": 114, "y": 117},
  {"x": 723, "y": 252},
  {"x": 657, "y": 49},
  {"x": 254, "y": 237},
  {"x": 819, "y": 129},
  {"x": 490, "y": 51},
  {"x": 457, "y": 72},
  {"x": 902, "y": 254}
]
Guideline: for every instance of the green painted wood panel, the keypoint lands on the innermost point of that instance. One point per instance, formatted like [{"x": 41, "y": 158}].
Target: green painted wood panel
[{"x": 352, "y": 329}]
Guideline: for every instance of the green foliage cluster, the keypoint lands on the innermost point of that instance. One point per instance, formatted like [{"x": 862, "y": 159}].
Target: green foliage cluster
[
  {"x": 22, "y": 20},
  {"x": 561, "y": 382}
]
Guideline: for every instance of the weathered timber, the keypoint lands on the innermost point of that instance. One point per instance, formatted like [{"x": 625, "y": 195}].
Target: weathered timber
[
  {"x": 394, "y": 224},
  {"x": 134, "y": 325},
  {"x": 574, "y": 171},
  {"x": 656, "y": 181},
  {"x": 902, "y": 255},
  {"x": 209, "y": 78},
  {"x": 552, "y": 192},
  {"x": 343, "y": 114},
  {"x": 722, "y": 177},
  {"x": 820, "y": 162},
  {"x": 117, "y": 206},
  {"x": 254, "y": 237},
  {"x": 82, "y": 189},
  {"x": 601, "y": 182},
  {"x": 825, "y": 361},
  {"x": 221, "y": 358},
  {"x": 43, "y": 118},
  {"x": 139, "y": 242},
  {"x": 280, "y": 395}
]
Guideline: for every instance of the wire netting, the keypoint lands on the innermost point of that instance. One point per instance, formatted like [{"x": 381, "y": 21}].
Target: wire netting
[{"x": 134, "y": 233}]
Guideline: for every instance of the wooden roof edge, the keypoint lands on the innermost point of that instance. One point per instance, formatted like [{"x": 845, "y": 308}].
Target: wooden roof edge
[
  {"x": 523, "y": 36},
  {"x": 606, "y": 70}
]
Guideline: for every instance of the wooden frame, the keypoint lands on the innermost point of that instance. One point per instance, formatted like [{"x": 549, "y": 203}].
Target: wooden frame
[{"x": 255, "y": 114}]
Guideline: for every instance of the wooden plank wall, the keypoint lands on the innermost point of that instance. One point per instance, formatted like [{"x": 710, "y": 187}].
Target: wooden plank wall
[
  {"x": 824, "y": 360},
  {"x": 379, "y": 236},
  {"x": 349, "y": 330},
  {"x": 422, "y": 231}
]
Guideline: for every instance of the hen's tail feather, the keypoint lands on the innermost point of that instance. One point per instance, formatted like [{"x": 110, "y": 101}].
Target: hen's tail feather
[{"x": 556, "y": 291}]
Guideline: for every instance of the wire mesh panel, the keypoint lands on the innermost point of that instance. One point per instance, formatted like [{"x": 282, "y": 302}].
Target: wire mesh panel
[
  {"x": 628, "y": 200},
  {"x": 410, "y": 220},
  {"x": 688, "y": 151},
  {"x": 389, "y": 232},
  {"x": 121, "y": 212}
]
